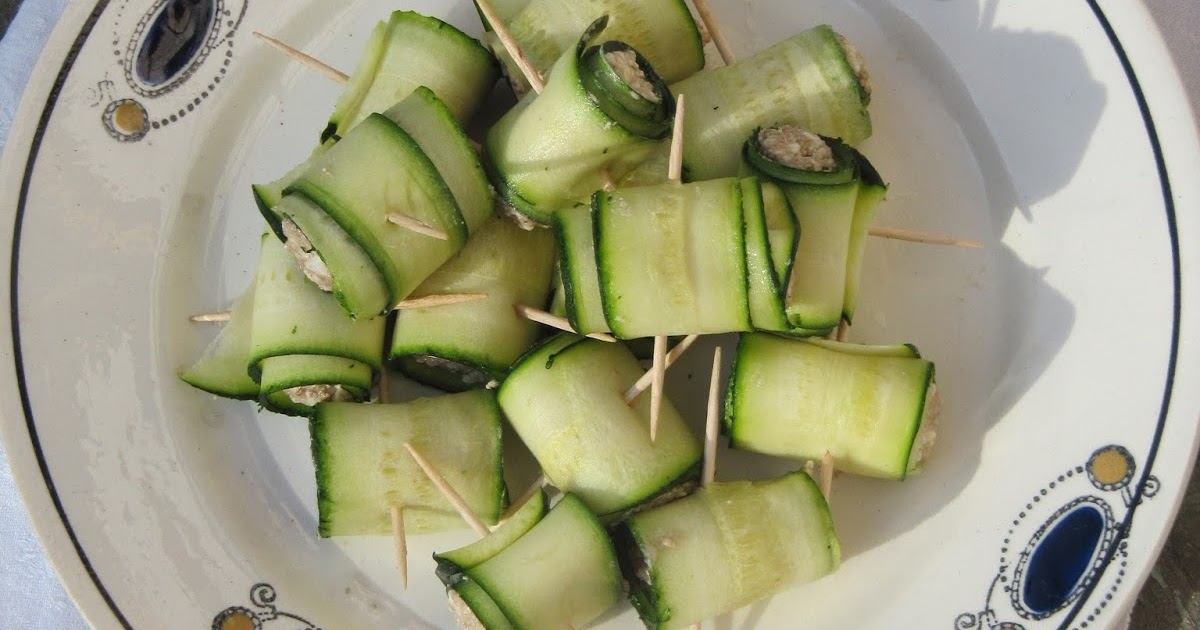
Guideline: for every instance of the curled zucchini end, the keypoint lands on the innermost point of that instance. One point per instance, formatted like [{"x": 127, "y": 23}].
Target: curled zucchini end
[{"x": 791, "y": 154}]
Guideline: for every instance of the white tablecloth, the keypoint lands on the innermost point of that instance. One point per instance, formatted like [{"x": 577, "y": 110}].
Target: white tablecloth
[{"x": 30, "y": 593}]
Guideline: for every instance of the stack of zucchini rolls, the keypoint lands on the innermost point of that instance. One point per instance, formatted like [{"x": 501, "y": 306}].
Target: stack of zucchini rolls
[{"x": 567, "y": 206}]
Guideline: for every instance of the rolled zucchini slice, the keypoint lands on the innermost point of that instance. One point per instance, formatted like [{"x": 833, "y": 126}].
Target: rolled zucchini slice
[
  {"x": 363, "y": 468},
  {"x": 664, "y": 30},
  {"x": 808, "y": 80},
  {"x": 561, "y": 573},
  {"x": 873, "y": 409},
  {"x": 565, "y": 399},
  {"x": 408, "y": 51},
  {"x": 819, "y": 176},
  {"x": 304, "y": 347},
  {"x": 771, "y": 238},
  {"x": 725, "y": 546},
  {"x": 602, "y": 112},
  {"x": 379, "y": 168},
  {"x": 464, "y": 346},
  {"x": 672, "y": 258},
  {"x": 221, "y": 370}
]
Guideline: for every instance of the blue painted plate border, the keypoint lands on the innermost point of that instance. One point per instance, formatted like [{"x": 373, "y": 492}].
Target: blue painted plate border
[{"x": 1138, "y": 491}]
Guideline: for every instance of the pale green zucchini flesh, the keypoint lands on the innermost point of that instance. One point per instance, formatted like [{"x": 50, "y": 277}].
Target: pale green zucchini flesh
[
  {"x": 363, "y": 467},
  {"x": 804, "y": 80},
  {"x": 466, "y": 345},
  {"x": 376, "y": 169},
  {"x": 221, "y": 370},
  {"x": 408, "y": 51},
  {"x": 565, "y": 399},
  {"x": 726, "y": 546},
  {"x": 562, "y": 573},
  {"x": 797, "y": 399},
  {"x": 672, "y": 259}
]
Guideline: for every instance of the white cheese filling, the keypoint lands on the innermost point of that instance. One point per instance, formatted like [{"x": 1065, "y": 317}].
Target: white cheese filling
[
  {"x": 797, "y": 148},
  {"x": 625, "y": 64},
  {"x": 298, "y": 245}
]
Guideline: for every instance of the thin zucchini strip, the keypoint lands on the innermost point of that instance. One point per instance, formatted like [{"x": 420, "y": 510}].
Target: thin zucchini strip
[
  {"x": 565, "y": 401},
  {"x": 807, "y": 80},
  {"x": 583, "y": 131},
  {"x": 561, "y": 573},
  {"x": 820, "y": 178},
  {"x": 873, "y": 409},
  {"x": 726, "y": 546},
  {"x": 408, "y": 51},
  {"x": 672, "y": 259},
  {"x": 663, "y": 30},
  {"x": 363, "y": 468},
  {"x": 463, "y": 346},
  {"x": 871, "y": 193},
  {"x": 221, "y": 370},
  {"x": 303, "y": 345}
]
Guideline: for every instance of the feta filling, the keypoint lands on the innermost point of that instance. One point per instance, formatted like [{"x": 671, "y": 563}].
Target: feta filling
[
  {"x": 625, "y": 64},
  {"x": 857, "y": 63},
  {"x": 310, "y": 395},
  {"x": 927, "y": 433},
  {"x": 470, "y": 376},
  {"x": 797, "y": 148},
  {"x": 298, "y": 245}
]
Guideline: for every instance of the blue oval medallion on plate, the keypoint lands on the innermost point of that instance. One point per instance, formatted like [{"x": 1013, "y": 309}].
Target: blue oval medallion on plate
[
  {"x": 1063, "y": 558},
  {"x": 174, "y": 39}
]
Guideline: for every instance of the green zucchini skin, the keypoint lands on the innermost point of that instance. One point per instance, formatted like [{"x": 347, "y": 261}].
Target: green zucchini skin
[
  {"x": 664, "y": 30},
  {"x": 576, "y": 245},
  {"x": 512, "y": 266},
  {"x": 804, "y": 80},
  {"x": 379, "y": 168},
  {"x": 765, "y": 287},
  {"x": 408, "y": 51},
  {"x": 363, "y": 469},
  {"x": 725, "y": 546},
  {"x": 565, "y": 400},
  {"x": 559, "y": 146},
  {"x": 221, "y": 370},
  {"x": 281, "y": 373},
  {"x": 800, "y": 399},
  {"x": 562, "y": 573},
  {"x": 672, "y": 259}
]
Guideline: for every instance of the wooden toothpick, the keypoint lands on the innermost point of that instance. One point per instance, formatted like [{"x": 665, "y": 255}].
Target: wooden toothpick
[
  {"x": 448, "y": 491},
  {"x": 401, "y": 544},
  {"x": 825, "y": 482},
  {"x": 554, "y": 321},
  {"x": 914, "y": 236},
  {"x": 710, "y": 421},
  {"x": 643, "y": 383},
  {"x": 445, "y": 299},
  {"x": 714, "y": 31},
  {"x": 311, "y": 62},
  {"x": 219, "y": 316},
  {"x": 525, "y": 497},
  {"x": 511, "y": 46},
  {"x": 843, "y": 331},
  {"x": 415, "y": 225},
  {"x": 659, "y": 368}
]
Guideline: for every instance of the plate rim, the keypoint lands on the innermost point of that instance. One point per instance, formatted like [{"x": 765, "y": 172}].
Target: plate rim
[{"x": 38, "y": 492}]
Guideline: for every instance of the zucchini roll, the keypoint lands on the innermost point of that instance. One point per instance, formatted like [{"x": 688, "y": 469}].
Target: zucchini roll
[
  {"x": 671, "y": 259},
  {"x": 833, "y": 192},
  {"x": 725, "y": 546},
  {"x": 663, "y": 30},
  {"x": 464, "y": 346},
  {"x": 565, "y": 401},
  {"x": 772, "y": 235},
  {"x": 872, "y": 407},
  {"x": 363, "y": 468},
  {"x": 814, "y": 79},
  {"x": 602, "y": 112},
  {"x": 557, "y": 571},
  {"x": 414, "y": 160},
  {"x": 408, "y": 51},
  {"x": 304, "y": 348}
]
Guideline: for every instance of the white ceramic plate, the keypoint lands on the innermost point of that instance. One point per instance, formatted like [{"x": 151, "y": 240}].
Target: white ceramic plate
[{"x": 1054, "y": 131}]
